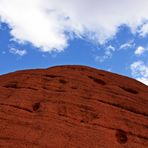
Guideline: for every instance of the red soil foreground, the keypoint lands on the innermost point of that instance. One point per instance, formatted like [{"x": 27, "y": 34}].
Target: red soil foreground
[{"x": 72, "y": 107}]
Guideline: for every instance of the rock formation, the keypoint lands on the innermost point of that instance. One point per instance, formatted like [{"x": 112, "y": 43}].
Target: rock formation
[{"x": 72, "y": 107}]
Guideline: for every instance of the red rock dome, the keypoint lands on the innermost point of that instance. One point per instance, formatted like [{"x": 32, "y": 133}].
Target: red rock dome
[{"x": 72, "y": 107}]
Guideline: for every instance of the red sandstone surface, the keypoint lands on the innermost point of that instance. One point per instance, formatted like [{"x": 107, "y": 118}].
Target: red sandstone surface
[{"x": 72, "y": 107}]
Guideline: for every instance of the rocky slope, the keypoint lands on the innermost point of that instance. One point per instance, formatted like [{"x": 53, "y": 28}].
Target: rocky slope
[{"x": 72, "y": 107}]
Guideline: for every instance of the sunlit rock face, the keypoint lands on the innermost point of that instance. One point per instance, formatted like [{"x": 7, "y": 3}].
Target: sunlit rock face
[{"x": 72, "y": 107}]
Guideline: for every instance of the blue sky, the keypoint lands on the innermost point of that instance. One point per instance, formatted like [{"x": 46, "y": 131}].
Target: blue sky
[{"x": 113, "y": 41}]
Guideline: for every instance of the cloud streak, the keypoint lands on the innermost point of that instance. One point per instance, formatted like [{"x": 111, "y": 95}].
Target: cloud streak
[
  {"x": 50, "y": 24},
  {"x": 127, "y": 45},
  {"x": 20, "y": 52}
]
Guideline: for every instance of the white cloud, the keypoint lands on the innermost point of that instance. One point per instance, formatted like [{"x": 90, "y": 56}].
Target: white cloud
[
  {"x": 127, "y": 45},
  {"x": 107, "y": 54},
  {"x": 143, "y": 30},
  {"x": 109, "y": 50},
  {"x": 143, "y": 80},
  {"x": 140, "y": 50},
  {"x": 140, "y": 71},
  {"x": 20, "y": 52},
  {"x": 48, "y": 24}
]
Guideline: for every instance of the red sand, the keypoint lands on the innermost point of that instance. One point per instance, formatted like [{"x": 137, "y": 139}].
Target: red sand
[{"x": 72, "y": 107}]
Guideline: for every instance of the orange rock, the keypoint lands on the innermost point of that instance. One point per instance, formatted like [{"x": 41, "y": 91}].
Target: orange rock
[{"x": 72, "y": 107}]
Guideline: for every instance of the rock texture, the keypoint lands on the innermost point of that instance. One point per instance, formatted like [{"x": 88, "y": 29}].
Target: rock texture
[{"x": 72, "y": 107}]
